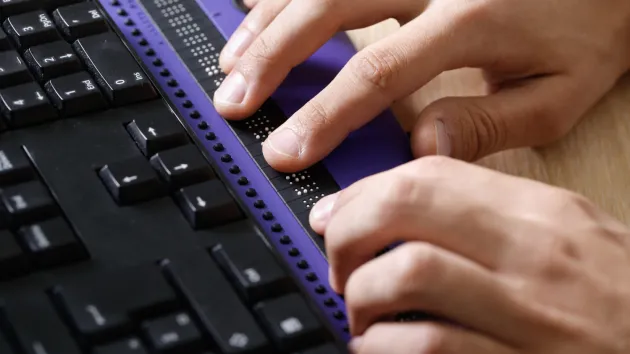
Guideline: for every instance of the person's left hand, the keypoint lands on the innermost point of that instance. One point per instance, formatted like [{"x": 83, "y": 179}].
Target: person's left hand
[{"x": 513, "y": 266}]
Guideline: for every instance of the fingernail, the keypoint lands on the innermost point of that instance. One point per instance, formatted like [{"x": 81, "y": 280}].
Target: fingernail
[
  {"x": 232, "y": 90},
  {"x": 355, "y": 344},
  {"x": 240, "y": 40},
  {"x": 442, "y": 141},
  {"x": 284, "y": 142},
  {"x": 321, "y": 210}
]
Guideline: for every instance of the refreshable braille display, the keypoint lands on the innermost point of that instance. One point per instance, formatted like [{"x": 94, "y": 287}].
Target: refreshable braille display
[{"x": 133, "y": 218}]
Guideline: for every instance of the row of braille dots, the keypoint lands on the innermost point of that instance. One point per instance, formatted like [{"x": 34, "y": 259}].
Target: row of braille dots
[
  {"x": 161, "y": 3},
  {"x": 260, "y": 126},
  {"x": 250, "y": 192}
]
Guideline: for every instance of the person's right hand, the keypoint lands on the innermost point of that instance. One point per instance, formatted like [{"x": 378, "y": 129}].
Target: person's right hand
[{"x": 547, "y": 62}]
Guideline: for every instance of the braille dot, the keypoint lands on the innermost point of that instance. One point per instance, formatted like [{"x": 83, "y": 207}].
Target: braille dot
[
  {"x": 195, "y": 115},
  {"x": 165, "y": 72},
  {"x": 259, "y": 204},
  {"x": 235, "y": 170},
  {"x": 180, "y": 93},
  {"x": 294, "y": 252},
  {"x": 150, "y": 52},
  {"x": 143, "y": 42},
  {"x": 211, "y": 136},
  {"x": 311, "y": 276},
  {"x": 268, "y": 215},
  {"x": 276, "y": 228},
  {"x": 203, "y": 125},
  {"x": 172, "y": 83},
  {"x": 339, "y": 315},
  {"x": 320, "y": 289},
  {"x": 243, "y": 181},
  {"x": 330, "y": 302},
  {"x": 227, "y": 158},
  {"x": 285, "y": 240},
  {"x": 218, "y": 147},
  {"x": 136, "y": 32},
  {"x": 187, "y": 104},
  {"x": 302, "y": 264}
]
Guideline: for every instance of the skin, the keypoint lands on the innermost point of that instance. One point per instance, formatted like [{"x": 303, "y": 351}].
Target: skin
[{"x": 506, "y": 265}]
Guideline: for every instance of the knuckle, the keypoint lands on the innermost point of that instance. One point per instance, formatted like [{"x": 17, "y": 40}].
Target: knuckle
[
  {"x": 261, "y": 52},
  {"x": 435, "y": 339},
  {"x": 315, "y": 116},
  {"x": 488, "y": 133},
  {"x": 376, "y": 67},
  {"x": 417, "y": 265}
]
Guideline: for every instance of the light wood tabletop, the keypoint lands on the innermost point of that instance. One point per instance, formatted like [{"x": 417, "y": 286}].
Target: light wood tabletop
[{"x": 593, "y": 160}]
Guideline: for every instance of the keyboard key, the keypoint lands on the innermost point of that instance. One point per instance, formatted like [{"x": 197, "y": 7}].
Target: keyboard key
[
  {"x": 131, "y": 181},
  {"x": 26, "y": 105},
  {"x": 13, "y": 261},
  {"x": 127, "y": 346},
  {"x": 103, "y": 306},
  {"x": 37, "y": 326},
  {"x": 15, "y": 167},
  {"x": 155, "y": 134},
  {"x": 52, "y": 60},
  {"x": 51, "y": 243},
  {"x": 14, "y": 7},
  {"x": 13, "y": 70},
  {"x": 31, "y": 29},
  {"x": 322, "y": 349},
  {"x": 183, "y": 166},
  {"x": 291, "y": 321},
  {"x": 80, "y": 20},
  {"x": 75, "y": 94},
  {"x": 218, "y": 307},
  {"x": 122, "y": 80},
  {"x": 208, "y": 204},
  {"x": 27, "y": 202},
  {"x": 5, "y": 43},
  {"x": 51, "y": 5},
  {"x": 173, "y": 334},
  {"x": 252, "y": 267}
]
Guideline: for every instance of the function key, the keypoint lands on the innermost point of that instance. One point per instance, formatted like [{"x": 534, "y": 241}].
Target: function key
[
  {"x": 27, "y": 202},
  {"x": 15, "y": 167},
  {"x": 75, "y": 94},
  {"x": 13, "y": 70},
  {"x": 13, "y": 261},
  {"x": 122, "y": 80},
  {"x": 52, "y": 60},
  {"x": 80, "y": 20},
  {"x": 156, "y": 134},
  {"x": 131, "y": 181},
  {"x": 26, "y": 105},
  {"x": 173, "y": 334},
  {"x": 291, "y": 322},
  {"x": 14, "y": 7},
  {"x": 5, "y": 42},
  {"x": 31, "y": 29},
  {"x": 51, "y": 243},
  {"x": 127, "y": 346},
  {"x": 208, "y": 205},
  {"x": 182, "y": 166}
]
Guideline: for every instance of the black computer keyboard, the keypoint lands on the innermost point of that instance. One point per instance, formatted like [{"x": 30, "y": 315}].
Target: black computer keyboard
[{"x": 117, "y": 234}]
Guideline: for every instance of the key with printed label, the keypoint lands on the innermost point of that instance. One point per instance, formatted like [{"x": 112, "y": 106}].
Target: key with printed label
[
  {"x": 252, "y": 267},
  {"x": 173, "y": 334},
  {"x": 155, "y": 134},
  {"x": 182, "y": 166},
  {"x": 27, "y": 202},
  {"x": 14, "y": 7},
  {"x": 293, "y": 324},
  {"x": 13, "y": 70},
  {"x": 13, "y": 261},
  {"x": 122, "y": 80},
  {"x": 37, "y": 326},
  {"x": 80, "y": 20},
  {"x": 127, "y": 346},
  {"x": 26, "y": 105},
  {"x": 31, "y": 29},
  {"x": 131, "y": 181},
  {"x": 15, "y": 166},
  {"x": 208, "y": 204},
  {"x": 52, "y": 60},
  {"x": 51, "y": 243},
  {"x": 75, "y": 94}
]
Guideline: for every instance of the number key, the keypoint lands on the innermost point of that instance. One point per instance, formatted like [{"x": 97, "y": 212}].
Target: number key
[
  {"x": 75, "y": 94},
  {"x": 13, "y": 70},
  {"x": 26, "y": 105},
  {"x": 14, "y": 7},
  {"x": 80, "y": 20},
  {"x": 31, "y": 29},
  {"x": 52, "y": 60}
]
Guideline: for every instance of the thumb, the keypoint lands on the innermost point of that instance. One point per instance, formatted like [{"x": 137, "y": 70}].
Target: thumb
[{"x": 469, "y": 128}]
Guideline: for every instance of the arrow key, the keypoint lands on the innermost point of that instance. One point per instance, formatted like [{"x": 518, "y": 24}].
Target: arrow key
[
  {"x": 75, "y": 94},
  {"x": 208, "y": 204},
  {"x": 157, "y": 133},
  {"x": 131, "y": 181},
  {"x": 26, "y": 105},
  {"x": 182, "y": 166}
]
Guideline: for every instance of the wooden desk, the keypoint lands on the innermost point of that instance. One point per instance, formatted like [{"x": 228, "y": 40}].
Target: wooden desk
[{"x": 593, "y": 160}]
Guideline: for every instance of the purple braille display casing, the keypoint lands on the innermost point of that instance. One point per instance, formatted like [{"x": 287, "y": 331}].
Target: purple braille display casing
[{"x": 378, "y": 146}]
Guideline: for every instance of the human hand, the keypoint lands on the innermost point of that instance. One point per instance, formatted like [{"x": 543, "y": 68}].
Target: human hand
[
  {"x": 547, "y": 62},
  {"x": 512, "y": 265}
]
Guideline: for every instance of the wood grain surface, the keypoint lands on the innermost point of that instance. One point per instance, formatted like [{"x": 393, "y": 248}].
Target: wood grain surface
[{"x": 593, "y": 160}]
